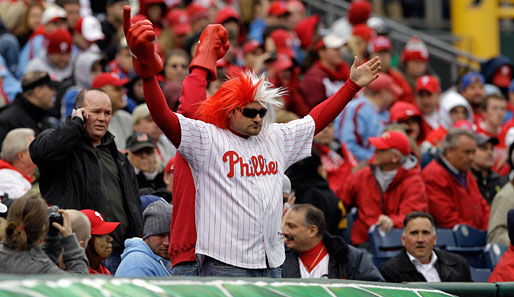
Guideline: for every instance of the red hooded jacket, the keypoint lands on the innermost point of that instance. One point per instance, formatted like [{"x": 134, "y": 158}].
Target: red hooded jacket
[
  {"x": 504, "y": 270},
  {"x": 406, "y": 193}
]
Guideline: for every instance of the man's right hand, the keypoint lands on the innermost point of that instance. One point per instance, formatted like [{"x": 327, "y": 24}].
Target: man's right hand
[
  {"x": 140, "y": 40},
  {"x": 81, "y": 113},
  {"x": 212, "y": 46}
]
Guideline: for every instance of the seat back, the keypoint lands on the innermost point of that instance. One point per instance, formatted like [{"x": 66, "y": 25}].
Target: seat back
[
  {"x": 467, "y": 236},
  {"x": 480, "y": 274},
  {"x": 445, "y": 238},
  {"x": 350, "y": 218},
  {"x": 493, "y": 253}
]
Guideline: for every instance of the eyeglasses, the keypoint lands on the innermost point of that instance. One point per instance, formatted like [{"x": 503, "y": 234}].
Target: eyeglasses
[{"x": 252, "y": 112}]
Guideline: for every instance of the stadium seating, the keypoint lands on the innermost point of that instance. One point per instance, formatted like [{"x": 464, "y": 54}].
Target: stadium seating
[
  {"x": 350, "y": 218},
  {"x": 470, "y": 244},
  {"x": 493, "y": 253},
  {"x": 480, "y": 274},
  {"x": 384, "y": 245}
]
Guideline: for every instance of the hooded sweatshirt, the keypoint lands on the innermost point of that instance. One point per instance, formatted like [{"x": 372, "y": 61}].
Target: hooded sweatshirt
[{"x": 139, "y": 260}]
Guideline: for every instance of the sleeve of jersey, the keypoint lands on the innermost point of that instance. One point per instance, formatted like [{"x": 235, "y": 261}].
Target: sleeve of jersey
[
  {"x": 161, "y": 114},
  {"x": 297, "y": 140},
  {"x": 325, "y": 112}
]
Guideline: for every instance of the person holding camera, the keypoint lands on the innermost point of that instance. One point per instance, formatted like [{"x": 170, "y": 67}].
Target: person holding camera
[{"x": 26, "y": 229}]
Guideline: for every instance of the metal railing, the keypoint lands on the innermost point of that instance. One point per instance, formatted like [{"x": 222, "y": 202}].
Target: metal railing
[{"x": 442, "y": 53}]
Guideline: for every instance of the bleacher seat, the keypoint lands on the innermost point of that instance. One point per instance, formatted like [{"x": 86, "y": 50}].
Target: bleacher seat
[
  {"x": 445, "y": 238},
  {"x": 480, "y": 274},
  {"x": 470, "y": 244},
  {"x": 384, "y": 245},
  {"x": 493, "y": 253},
  {"x": 350, "y": 218}
]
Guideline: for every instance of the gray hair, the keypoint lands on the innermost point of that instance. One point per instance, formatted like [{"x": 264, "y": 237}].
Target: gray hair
[
  {"x": 451, "y": 140},
  {"x": 17, "y": 140}
]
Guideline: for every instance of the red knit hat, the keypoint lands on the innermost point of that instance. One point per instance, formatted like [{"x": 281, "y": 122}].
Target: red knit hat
[
  {"x": 283, "y": 40},
  {"x": 59, "y": 41},
  {"x": 359, "y": 12},
  {"x": 305, "y": 30},
  {"x": 415, "y": 49},
  {"x": 225, "y": 14},
  {"x": 179, "y": 21}
]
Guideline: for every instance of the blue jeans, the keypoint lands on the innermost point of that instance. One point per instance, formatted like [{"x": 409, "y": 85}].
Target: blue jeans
[
  {"x": 185, "y": 269},
  {"x": 113, "y": 262},
  {"x": 213, "y": 267}
]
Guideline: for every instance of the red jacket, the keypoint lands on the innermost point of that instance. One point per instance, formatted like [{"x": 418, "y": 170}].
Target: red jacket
[
  {"x": 451, "y": 203},
  {"x": 407, "y": 94},
  {"x": 405, "y": 194},
  {"x": 504, "y": 270}
]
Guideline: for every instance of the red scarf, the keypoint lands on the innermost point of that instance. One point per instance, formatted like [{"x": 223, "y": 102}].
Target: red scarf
[
  {"x": 101, "y": 270},
  {"x": 312, "y": 257},
  {"x": 4, "y": 164}
]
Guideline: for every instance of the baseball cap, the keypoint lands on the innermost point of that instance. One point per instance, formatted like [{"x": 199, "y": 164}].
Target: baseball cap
[
  {"x": 278, "y": 8},
  {"x": 250, "y": 46},
  {"x": 379, "y": 43},
  {"x": 427, "y": 83},
  {"x": 282, "y": 63},
  {"x": 179, "y": 21},
  {"x": 331, "y": 40},
  {"x": 89, "y": 27},
  {"x": 390, "y": 140},
  {"x": 470, "y": 78},
  {"x": 109, "y": 78},
  {"x": 59, "y": 41},
  {"x": 225, "y": 14},
  {"x": 196, "y": 11},
  {"x": 98, "y": 224},
  {"x": 363, "y": 31},
  {"x": 138, "y": 141},
  {"x": 483, "y": 139},
  {"x": 52, "y": 14},
  {"x": 140, "y": 112},
  {"x": 283, "y": 40},
  {"x": 359, "y": 12},
  {"x": 415, "y": 49},
  {"x": 384, "y": 82},
  {"x": 401, "y": 111},
  {"x": 502, "y": 76}
]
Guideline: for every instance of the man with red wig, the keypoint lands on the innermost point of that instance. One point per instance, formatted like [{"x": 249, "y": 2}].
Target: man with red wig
[{"x": 237, "y": 153}]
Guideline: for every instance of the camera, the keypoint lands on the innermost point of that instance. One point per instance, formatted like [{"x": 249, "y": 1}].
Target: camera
[{"x": 54, "y": 216}]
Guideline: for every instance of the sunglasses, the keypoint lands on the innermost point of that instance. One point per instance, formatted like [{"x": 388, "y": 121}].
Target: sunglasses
[{"x": 252, "y": 112}]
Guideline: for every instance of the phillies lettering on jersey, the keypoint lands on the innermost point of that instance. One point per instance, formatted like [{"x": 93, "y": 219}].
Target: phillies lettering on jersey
[
  {"x": 257, "y": 165},
  {"x": 238, "y": 181}
]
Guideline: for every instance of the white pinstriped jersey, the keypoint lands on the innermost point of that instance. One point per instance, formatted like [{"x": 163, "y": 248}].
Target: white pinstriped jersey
[
  {"x": 319, "y": 271},
  {"x": 238, "y": 181}
]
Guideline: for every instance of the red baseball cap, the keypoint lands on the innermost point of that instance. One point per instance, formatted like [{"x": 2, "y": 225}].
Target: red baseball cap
[
  {"x": 363, "y": 31},
  {"x": 250, "y": 46},
  {"x": 415, "y": 49},
  {"x": 385, "y": 82},
  {"x": 305, "y": 30},
  {"x": 109, "y": 78},
  {"x": 179, "y": 21},
  {"x": 196, "y": 11},
  {"x": 427, "y": 83},
  {"x": 401, "y": 111},
  {"x": 379, "y": 43},
  {"x": 282, "y": 63},
  {"x": 59, "y": 41},
  {"x": 390, "y": 140},
  {"x": 503, "y": 76},
  {"x": 98, "y": 224},
  {"x": 225, "y": 14},
  {"x": 278, "y": 8},
  {"x": 283, "y": 40}
]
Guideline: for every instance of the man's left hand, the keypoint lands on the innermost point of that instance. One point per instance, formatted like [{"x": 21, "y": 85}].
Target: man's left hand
[
  {"x": 364, "y": 74},
  {"x": 385, "y": 223}
]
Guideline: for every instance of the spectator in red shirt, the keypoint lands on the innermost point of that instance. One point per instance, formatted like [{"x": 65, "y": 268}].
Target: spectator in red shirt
[
  {"x": 427, "y": 94},
  {"x": 504, "y": 270},
  {"x": 453, "y": 194}
]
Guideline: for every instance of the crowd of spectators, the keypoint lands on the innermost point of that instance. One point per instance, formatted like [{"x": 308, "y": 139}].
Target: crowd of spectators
[{"x": 74, "y": 127}]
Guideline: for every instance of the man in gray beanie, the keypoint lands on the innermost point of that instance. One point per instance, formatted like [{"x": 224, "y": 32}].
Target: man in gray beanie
[{"x": 149, "y": 257}]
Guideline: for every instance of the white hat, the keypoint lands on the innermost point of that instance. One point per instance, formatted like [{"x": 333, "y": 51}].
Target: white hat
[
  {"x": 53, "y": 13},
  {"x": 89, "y": 27},
  {"x": 332, "y": 40}
]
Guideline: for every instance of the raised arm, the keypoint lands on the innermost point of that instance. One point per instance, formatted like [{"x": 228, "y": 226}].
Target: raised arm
[{"x": 360, "y": 76}]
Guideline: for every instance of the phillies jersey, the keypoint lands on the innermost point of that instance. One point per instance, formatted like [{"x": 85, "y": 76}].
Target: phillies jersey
[{"x": 238, "y": 207}]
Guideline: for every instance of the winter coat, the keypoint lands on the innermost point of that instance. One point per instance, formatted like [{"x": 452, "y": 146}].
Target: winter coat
[
  {"x": 406, "y": 193},
  {"x": 138, "y": 260},
  {"x": 452, "y": 203},
  {"x": 345, "y": 262},
  {"x": 450, "y": 267},
  {"x": 497, "y": 230},
  {"x": 70, "y": 171},
  {"x": 36, "y": 261}
]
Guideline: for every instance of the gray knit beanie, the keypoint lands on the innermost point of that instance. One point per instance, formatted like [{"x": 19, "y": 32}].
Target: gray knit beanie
[{"x": 157, "y": 218}]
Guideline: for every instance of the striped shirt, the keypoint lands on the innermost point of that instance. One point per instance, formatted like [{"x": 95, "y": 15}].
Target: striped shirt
[{"x": 238, "y": 181}]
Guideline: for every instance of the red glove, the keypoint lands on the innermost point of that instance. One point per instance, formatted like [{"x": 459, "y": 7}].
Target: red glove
[
  {"x": 140, "y": 37},
  {"x": 213, "y": 45}
]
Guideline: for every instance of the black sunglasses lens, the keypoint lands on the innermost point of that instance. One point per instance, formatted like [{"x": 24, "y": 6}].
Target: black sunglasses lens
[{"x": 252, "y": 112}]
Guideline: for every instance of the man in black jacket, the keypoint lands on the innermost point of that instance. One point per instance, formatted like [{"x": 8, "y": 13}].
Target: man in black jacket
[
  {"x": 314, "y": 253},
  {"x": 418, "y": 261},
  {"x": 30, "y": 107},
  {"x": 81, "y": 168}
]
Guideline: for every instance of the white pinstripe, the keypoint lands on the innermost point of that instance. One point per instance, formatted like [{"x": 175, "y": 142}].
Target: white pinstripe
[{"x": 238, "y": 218}]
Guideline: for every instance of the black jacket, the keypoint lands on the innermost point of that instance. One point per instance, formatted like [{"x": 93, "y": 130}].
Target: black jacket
[
  {"x": 70, "y": 171},
  {"x": 451, "y": 268},
  {"x": 490, "y": 185},
  {"x": 22, "y": 114},
  {"x": 345, "y": 262}
]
